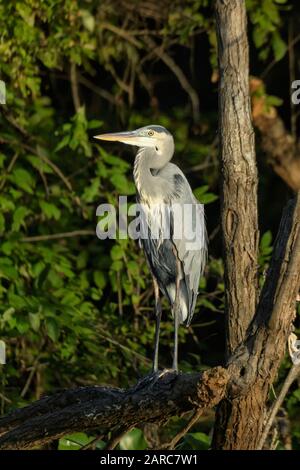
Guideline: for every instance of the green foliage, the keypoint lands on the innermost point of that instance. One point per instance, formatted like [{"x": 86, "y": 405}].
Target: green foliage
[
  {"x": 204, "y": 196},
  {"x": 266, "y": 19},
  {"x": 265, "y": 248},
  {"x": 77, "y": 310},
  {"x": 133, "y": 440},
  {"x": 78, "y": 440},
  {"x": 195, "y": 441}
]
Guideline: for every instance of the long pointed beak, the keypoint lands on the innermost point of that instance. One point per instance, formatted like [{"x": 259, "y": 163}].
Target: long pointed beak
[
  {"x": 116, "y": 136},
  {"x": 130, "y": 138}
]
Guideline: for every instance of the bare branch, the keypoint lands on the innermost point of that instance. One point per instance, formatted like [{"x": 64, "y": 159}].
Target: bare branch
[
  {"x": 173, "y": 443},
  {"x": 74, "y": 86},
  {"x": 291, "y": 377},
  {"x": 155, "y": 398},
  {"x": 57, "y": 236},
  {"x": 280, "y": 146},
  {"x": 185, "y": 84},
  {"x": 9, "y": 169}
]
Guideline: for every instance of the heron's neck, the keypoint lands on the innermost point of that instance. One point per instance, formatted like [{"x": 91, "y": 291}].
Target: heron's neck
[{"x": 147, "y": 166}]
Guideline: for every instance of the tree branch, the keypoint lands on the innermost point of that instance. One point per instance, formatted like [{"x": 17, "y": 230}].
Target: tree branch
[
  {"x": 57, "y": 236},
  {"x": 74, "y": 86},
  {"x": 185, "y": 84},
  {"x": 153, "y": 399},
  {"x": 291, "y": 377},
  {"x": 255, "y": 363},
  {"x": 282, "y": 150}
]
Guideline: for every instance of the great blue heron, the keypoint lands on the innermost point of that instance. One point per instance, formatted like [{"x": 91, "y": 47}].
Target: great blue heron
[{"x": 176, "y": 263}]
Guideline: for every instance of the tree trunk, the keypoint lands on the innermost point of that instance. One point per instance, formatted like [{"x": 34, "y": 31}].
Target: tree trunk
[
  {"x": 255, "y": 341},
  {"x": 239, "y": 173}
]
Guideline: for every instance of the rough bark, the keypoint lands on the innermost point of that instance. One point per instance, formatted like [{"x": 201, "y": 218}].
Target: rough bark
[
  {"x": 255, "y": 364},
  {"x": 239, "y": 173},
  {"x": 256, "y": 335},
  {"x": 154, "y": 399}
]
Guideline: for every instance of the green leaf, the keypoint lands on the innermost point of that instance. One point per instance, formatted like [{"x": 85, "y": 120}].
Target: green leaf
[
  {"x": 39, "y": 164},
  {"x": 203, "y": 196},
  {"x": 94, "y": 123},
  {"x": 74, "y": 441},
  {"x": 120, "y": 182},
  {"x": 92, "y": 190},
  {"x": 100, "y": 279},
  {"x": 23, "y": 179},
  {"x": 7, "y": 270},
  {"x": 26, "y": 13},
  {"x": 279, "y": 46},
  {"x": 113, "y": 160},
  {"x": 16, "y": 301},
  {"x": 272, "y": 100},
  {"x": 2, "y": 160},
  {"x": 22, "y": 325},
  {"x": 260, "y": 36},
  {"x": 35, "y": 321},
  {"x": 116, "y": 265},
  {"x": 50, "y": 210},
  {"x": 7, "y": 247},
  {"x": 196, "y": 441},
  {"x": 19, "y": 217},
  {"x": 133, "y": 440},
  {"x": 266, "y": 240},
  {"x": 209, "y": 305},
  {"x": 52, "y": 329},
  {"x": 63, "y": 143},
  {"x": 2, "y": 223},
  {"x": 117, "y": 252}
]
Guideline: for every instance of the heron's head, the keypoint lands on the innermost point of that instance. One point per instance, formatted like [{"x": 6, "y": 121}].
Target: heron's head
[{"x": 156, "y": 137}]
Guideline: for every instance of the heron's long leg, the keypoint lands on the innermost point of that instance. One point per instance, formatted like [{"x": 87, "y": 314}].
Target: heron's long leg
[
  {"x": 157, "y": 329},
  {"x": 176, "y": 313}
]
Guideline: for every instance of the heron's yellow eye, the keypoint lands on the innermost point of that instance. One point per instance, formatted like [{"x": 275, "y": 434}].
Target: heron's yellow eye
[{"x": 150, "y": 133}]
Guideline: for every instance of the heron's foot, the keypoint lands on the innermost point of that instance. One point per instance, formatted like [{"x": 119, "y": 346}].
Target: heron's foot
[
  {"x": 167, "y": 371},
  {"x": 161, "y": 373}
]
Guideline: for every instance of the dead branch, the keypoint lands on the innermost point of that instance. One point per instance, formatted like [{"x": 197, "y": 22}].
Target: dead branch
[
  {"x": 281, "y": 148},
  {"x": 154, "y": 399}
]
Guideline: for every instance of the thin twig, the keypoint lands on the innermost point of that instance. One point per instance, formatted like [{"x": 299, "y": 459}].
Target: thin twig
[
  {"x": 74, "y": 86},
  {"x": 125, "y": 348},
  {"x": 4, "y": 398},
  {"x": 172, "y": 444},
  {"x": 119, "y": 289},
  {"x": 44, "y": 179},
  {"x": 291, "y": 377},
  {"x": 185, "y": 84},
  {"x": 200, "y": 166},
  {"x": 30, "y": 377},
  {"x": 96, "y": 89},
  {"x": 122, "y": 33},
  {"x": 9, "y": 168},
  {"x": 49, "y": 163},
  {"x": 57, "y": 236},
  {"x": 117, "y": 436},
  {"x": 92, "y": 443},
  {"x": 274, "y": 62}
]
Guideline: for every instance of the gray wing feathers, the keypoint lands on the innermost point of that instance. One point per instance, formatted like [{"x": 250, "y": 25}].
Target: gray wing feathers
[
  {"x": 192, "y": 247},
  {"x": 177, "y": 222}
]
